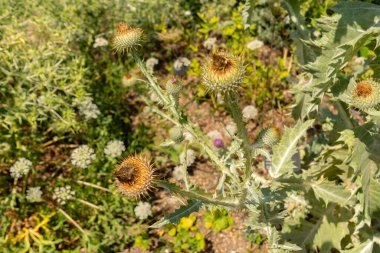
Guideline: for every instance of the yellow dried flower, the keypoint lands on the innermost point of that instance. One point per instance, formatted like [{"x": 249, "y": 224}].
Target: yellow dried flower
[
  {"x": 134, "y": 175},
  {"x": 127, "y": 38},
  {"x": 223, "y": 72}
]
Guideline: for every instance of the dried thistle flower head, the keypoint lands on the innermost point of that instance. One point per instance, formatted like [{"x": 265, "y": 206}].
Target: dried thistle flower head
[
  {"x": 127, "y": 38},
  {"x": 223, "y": 72},
  {"x": 134, "y": 175},
  {"x": 268, "y": 137},
  {"x": 365, "y": 94}
]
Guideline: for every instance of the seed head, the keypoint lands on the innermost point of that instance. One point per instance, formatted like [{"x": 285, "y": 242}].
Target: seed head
[
  {"x": 223, "y": 72},
  {"x": 127, "y": 38},
  {"x": 365, "y": 94},
  {"x": 134, "y": 176}
]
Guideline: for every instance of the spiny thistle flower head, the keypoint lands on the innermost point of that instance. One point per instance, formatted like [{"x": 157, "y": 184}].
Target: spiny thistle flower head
[
  {"x": 173, "y": 86},
  {"x": 33, "y": 194},
  {"x": 269, "y": 137},
  {"x": 134, "y": 175},
  {"x": 143, "y": 210},
  {"x": 114, "y": 148},
  {"x": 20, "y": 168},
  {"x": 83, "y": 156},
  {"x": 365, "y": 94},
  {"x": 176, "y": 134},
  {"x": 62, "y": 194},
  {"x": 127, "y": 38},
  {"x": 223, "y": 72}
]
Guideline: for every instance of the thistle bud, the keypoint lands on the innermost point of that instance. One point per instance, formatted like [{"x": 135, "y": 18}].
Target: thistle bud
[
  {"x": 268, "y": 137},
  {"x": 365, "y": 94},
  {"x": 223, "y": 72},
  {"x": 127, "y": 38},
  {"x": 173, "y": 86},
  {"x": 176, "y": 135}
]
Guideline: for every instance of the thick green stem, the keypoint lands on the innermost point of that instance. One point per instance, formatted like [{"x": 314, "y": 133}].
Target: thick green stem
[
  {"x": 234, "y": 203},
  {"x": 233, "y": 103}
]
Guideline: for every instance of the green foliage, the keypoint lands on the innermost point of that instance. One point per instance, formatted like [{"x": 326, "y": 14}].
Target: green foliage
[{"x": 217, "y": 219}]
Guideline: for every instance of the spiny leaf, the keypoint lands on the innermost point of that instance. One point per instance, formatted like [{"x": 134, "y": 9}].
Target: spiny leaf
[
  {"x": 366, "y": 247},
  {"x": 330, "y": 192},
  {"x": 174, "y": 218},
  {"x": 286, "y": 148}
]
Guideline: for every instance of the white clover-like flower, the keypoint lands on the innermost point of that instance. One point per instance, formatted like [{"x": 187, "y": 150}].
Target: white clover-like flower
[
  {"x": 82, "y": 156},
  {"x": 150, "y": 63},
  {"x": 249, "y": 112},
  {"x": 178, "y": 173},
  {"x": 114, "y": 148},
  {"x": 181, "y": 64},
  {"x": 4, "y": 147},
  {"x": 33, "y": 194},
  {"x": 20, "y": 168},
  {"x": 143, "y": 210},
  {"x": 187, "y": 13},
  {"x": 255, "y": 44},
  {"x": 231, "y": 128},
  {"x": 62, "y": 194},
  {"x": 215, "y": 134},
  {"x": 87, "y": 108},
  {"x": 188, "y": 137},
  {"x": 100, "y": 42},
  {"x": 209, "y": 43},
  {"x": 190, "y": 157}
]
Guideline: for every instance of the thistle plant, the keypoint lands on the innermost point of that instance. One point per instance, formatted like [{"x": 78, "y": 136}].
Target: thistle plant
[{"x": 309, "y": 199}]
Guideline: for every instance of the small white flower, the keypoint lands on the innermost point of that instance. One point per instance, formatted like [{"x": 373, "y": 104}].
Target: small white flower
[
  {"x": 143, "y": 210},
  {"x": 114, "y": 148},
  {"x": 190, "y": 157},
  {"x": 180, "y": 63},
  {"x": 4, "y": 147},
  {"x": 20, "y": 168},
  {"x": 249, "y": 112},
  {"x": 231, "y": 128},
  {"x": 87, "y": 108},
  {"x": 215, "y": 134},
  {"x": 33, "y": 194},
  {"x": 62, "y": 194},
  {"x": 209, "y": 43},
  {"x": 220, "y": 99},
  {"x": 178, "y": 173},
  {"x": 82, "y": 156},
  {"x": 255, "y": 44},
  {"x": 187, "y": 13},
  {"x": 188, "y": 137},
  {"x": 100, "y": 42},
  {"x": 150, "y": 63}
]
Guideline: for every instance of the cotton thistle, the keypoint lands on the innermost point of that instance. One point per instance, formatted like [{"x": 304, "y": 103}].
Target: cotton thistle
[
  {"x": 62, "y": 194},
  {"x": 82, "y": 156},
  {"x": 20, "y": 168},
  {"x": 249, "y": 112},
  {"x": 143, "y": 210},
  {"x": 365, "y": 94},
  {"x": 114, "y": 148},
  {"x": 189, "y": 156},
  {"x": 127, "y": 38},
  {"x": 223, "y": 72},
  {"x": 134, "y": 176},
  {"x": 33, "y": 194},
  {"x": 268, "y": 137}
]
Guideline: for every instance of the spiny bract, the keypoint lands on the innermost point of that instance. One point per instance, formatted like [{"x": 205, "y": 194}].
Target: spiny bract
[
  {"x": 127, "y": 38},
  {"x": 365, "y": 94},
  {"x": 223, "y": 72}
]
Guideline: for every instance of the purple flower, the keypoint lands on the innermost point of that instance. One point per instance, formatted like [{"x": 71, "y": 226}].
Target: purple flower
[{"x": 218, "y": 143}]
